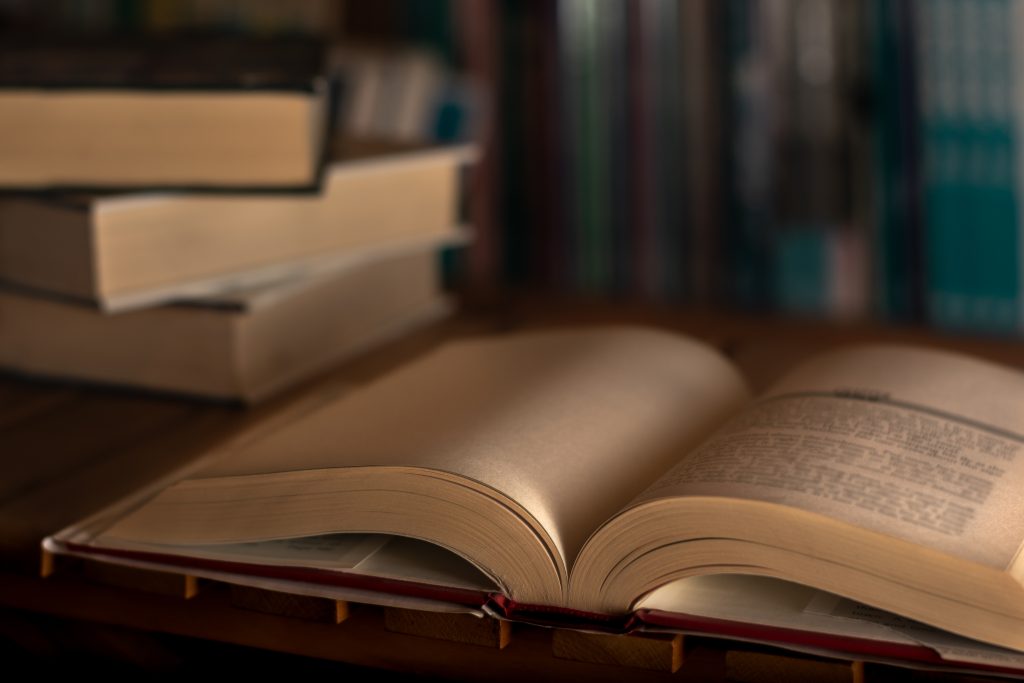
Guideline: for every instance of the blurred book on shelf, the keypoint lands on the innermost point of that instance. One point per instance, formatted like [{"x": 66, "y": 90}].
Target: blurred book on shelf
[
  {"x": 796, "y": 157},
  {"x": 813, "y": 158},
  {"x": 688, "y": 151},
  {"x": 403, "y": 95},
  {"x": 970, "y": 93}
]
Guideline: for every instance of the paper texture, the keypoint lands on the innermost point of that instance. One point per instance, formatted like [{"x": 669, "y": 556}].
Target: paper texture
[
  {"x": 570, "y": 426},
  {"x": 921, "y": 445}
]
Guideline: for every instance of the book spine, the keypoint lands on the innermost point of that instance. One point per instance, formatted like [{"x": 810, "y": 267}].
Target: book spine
[
  {"x": 942, "y": 164},
  {"x": 479, "y": 35},
  {"x": 702, "y": 75},
  {"x": 752, "y": 121},
  {"x": 853, "y": 258},
  {"x": 557, "y": 242},
  {"x": 670, "y": 168},
  {"x": 998, "y": 272},
  {"x": 571, "y": 48},
  {"x": 812, "y": 204},
  {"x": 595, "y": 129},
  {"x": 1016, "y": 104},
  {"x": 973, "y": 223},
  {"x": 540, "y": 99},
  {"x": 515, "y": 208},
  {"x": 642, "y": 150},
  {"x": 617, "y": 244},
  {"x": 896, "y": 192}
]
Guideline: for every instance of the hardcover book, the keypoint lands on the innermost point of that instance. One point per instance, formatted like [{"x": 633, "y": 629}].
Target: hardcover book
[
  {"x": 162, "y": 114},
  {"x": 242, "y": 345},
  {"x": 134, "y": 250},
  {"x": 588, "y": 478}
]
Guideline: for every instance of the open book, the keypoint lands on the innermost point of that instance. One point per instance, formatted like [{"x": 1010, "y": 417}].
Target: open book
[{"x": 582, "y": 473}]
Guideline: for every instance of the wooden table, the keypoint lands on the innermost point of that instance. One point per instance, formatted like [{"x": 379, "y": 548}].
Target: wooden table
[{"x": 65, "y": 451}]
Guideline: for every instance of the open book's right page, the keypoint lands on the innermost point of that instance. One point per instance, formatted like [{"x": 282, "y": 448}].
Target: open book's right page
[{"x": 917, "y": 444}]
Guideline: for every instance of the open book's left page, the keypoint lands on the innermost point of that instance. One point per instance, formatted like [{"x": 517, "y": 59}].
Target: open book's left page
[{"x": 509, "y": 451}]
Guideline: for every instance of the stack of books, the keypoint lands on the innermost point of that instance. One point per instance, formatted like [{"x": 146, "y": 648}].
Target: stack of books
[{"x": 189, "y": 230}]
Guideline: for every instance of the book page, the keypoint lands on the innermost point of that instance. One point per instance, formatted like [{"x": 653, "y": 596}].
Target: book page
[
  {"x": 570, "y": 425},
  {"x": 921, "y": 445},
  {"x": 761, "y": 600},
  {"x": 407, "y": 559},
  {"x": 329, "y": 551},
  {"x": 744, "y": 599},
  {"x": 951, "y": 647}
]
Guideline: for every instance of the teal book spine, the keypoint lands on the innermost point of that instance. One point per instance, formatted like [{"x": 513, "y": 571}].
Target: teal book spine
[
  {"x": 1016, "y": 109},
  {"x": 971, "y": 203},
  {"x": 896, "y": 191},
  {"x": 947, "y": 197},
  {"x": 801, "y": 265},
  {"x": 996, "y": 278}
]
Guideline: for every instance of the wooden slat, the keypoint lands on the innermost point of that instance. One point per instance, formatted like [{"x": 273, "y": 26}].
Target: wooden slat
[
  {"x": 47, "y": 564},
  {"x": 305, "y": 607},
  {"x": 749, "y": 666},
  {"x": 142, "y": 580},
  {"x": 457, "y": 628},
  {"x": 132, "y": 579},
  {"x": 657, "y": 653}
]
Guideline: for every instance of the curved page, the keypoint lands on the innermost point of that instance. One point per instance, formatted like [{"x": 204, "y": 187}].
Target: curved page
[{"x": 569, "y": 426}]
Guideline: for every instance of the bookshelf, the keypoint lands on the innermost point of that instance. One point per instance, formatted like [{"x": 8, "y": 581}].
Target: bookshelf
[
  {"x": 828, "y": 160},
  {"x": 818, "y": 160}
]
